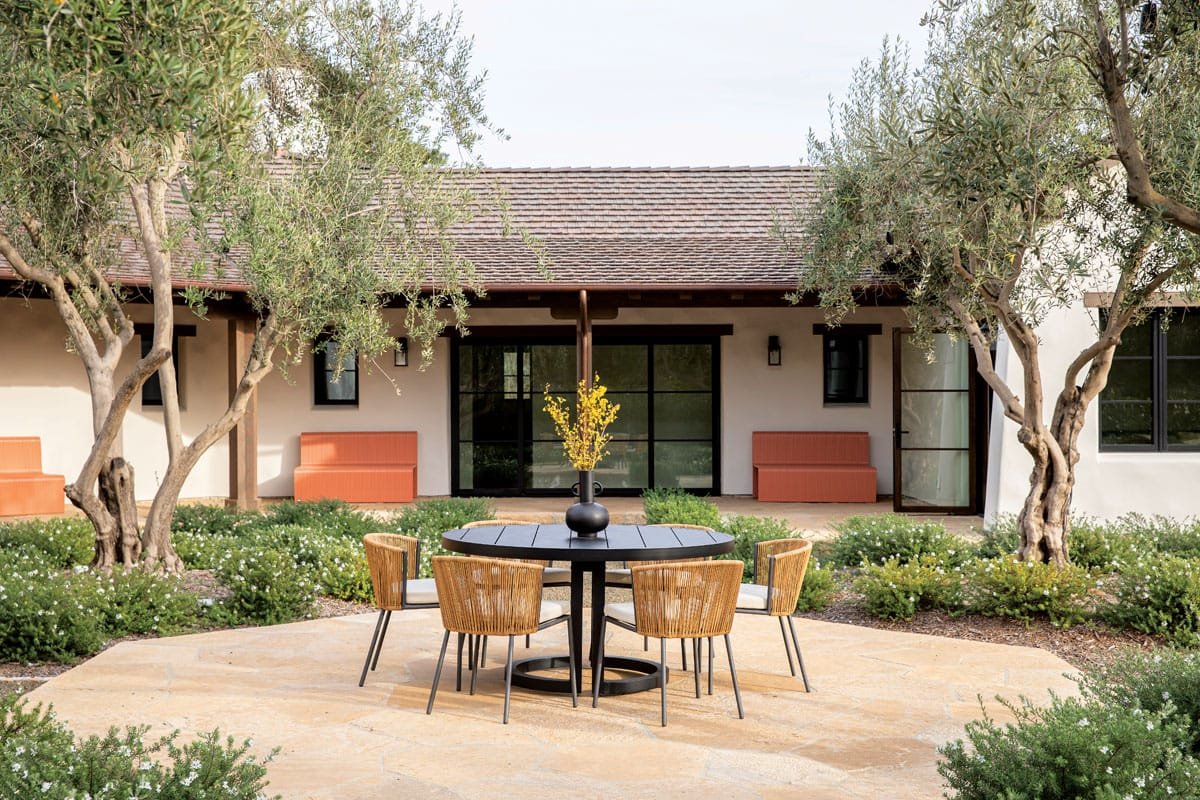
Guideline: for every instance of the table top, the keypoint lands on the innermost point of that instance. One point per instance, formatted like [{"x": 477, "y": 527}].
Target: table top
[{"x": 558, "y": 543}]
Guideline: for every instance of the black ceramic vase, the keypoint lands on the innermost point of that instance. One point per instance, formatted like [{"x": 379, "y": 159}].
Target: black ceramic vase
[{"x": 586, "y": 517}]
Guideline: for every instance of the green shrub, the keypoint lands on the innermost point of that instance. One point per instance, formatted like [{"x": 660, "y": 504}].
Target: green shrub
[
  {"x": 1152, "y": 681},
  {"x": 65, "y": 541},
  {"x": 139, "y": 602},
  {"x": 42, "y": 759},
  {"x": 747, "y": 532},
  {"x": 1103, "y": 546},
  {"x": 429, "y": 519},
  {"x": 267, "y": 587},
  {"x": 1072, "y": 749},
  {"x": 898, "y": 590},
  {"x": 877, "y": 538},
  {"x": 46, "y": 614},
  {"x": 1008, "y": 587},
  {"x": 820, "y": 585},
  {"x": 212, "y": 520},
  {"x": 328, "y": 516},
  {"x": 205, "y": 550},
  {"x": 1002, "y": 539},
  {"x": 1159, "y": 594},
  {"x": 663, "y": 506},
  {"x": 338, "y": 565},
  {"x": 1178, "y": 537}
]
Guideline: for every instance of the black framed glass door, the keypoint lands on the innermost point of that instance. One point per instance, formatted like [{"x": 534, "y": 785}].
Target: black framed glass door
[{"x": 665, "y": 435}]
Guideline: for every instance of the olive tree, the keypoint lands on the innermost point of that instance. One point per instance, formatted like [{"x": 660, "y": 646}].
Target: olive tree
[
  {"x": 155, "y": 125},
  {"x": 982, "y": 183}
]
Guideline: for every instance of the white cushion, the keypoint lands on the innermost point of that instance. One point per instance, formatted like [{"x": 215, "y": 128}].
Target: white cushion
[
  {"x": 752, "y": 596},
  {"x": 621, "y": 611},
  {"x": 421, "y": 590},
  {"x": 551, "y": 610},
  {"x": 618, "y": 576},
  {"x": 556, "y": 575}
]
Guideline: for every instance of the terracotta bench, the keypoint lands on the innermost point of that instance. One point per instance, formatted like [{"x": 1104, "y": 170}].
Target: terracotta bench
[
  {"x": 24, "y": 488},
  {"x": 813, "y": 467},
  {"x": 357, "y": 466}
]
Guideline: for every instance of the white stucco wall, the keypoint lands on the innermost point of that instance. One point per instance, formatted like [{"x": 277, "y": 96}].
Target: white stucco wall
[
  {"x": 1107, "y": 484},
  {"x": 43, "y": 392}
]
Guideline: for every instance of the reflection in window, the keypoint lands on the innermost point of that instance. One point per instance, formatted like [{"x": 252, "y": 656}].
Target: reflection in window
[
  {"x": 331, "y": 387},
  {"x": 1152, "y": 398},
  {"x": 845, "y": 367}
]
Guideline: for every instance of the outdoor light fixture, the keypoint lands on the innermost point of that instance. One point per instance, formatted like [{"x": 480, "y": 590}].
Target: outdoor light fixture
[
  {"x": 401, "y": 352},
  {"x": 774, "y": 352}
]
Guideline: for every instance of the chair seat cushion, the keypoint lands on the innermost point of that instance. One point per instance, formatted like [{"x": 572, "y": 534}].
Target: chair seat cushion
[
  {"x": 622, "y": 576},
  {"x": 622, "y": 611},
  {"x": 421, "y": 590},
  {"x": 556, "y": 576},
  {"x": 552, "y": 610},
  {"x": 752, "y": 596}
]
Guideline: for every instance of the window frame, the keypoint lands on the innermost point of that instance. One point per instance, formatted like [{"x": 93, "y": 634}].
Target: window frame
[
  {"x": 1160, "y": 358},
  {"x": 863, "y": 338},
  {"x": 145, "y": 333},
  {"x": 321, "y": 371}
]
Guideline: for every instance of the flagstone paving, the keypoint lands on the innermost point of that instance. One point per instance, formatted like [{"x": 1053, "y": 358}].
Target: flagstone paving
[{"x": 884, "y": 702}]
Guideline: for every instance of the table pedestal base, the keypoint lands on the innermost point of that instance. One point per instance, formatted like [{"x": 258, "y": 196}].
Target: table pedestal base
[{"x": 648, "y": 675}]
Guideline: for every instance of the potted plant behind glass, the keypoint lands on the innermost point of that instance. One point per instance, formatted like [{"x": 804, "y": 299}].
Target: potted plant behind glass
[{"x": 584, "y": 441}]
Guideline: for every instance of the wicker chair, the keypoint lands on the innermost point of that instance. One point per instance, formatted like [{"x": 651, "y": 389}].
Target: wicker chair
[
  {"x": 551, "y": 575},
  {"x": 678, "y": 601},
  {"x": 779, "y": 567},
  {"x": 621, "y": 578},
  {"x": 394, "y": 562},
  {"x": 484, "y": 597}
]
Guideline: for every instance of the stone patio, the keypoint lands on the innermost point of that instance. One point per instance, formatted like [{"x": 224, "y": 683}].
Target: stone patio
[{"x": 884, "y": 702}]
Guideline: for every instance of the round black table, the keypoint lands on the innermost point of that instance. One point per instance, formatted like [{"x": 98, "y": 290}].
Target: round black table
[{"x": 617, "y": 543}]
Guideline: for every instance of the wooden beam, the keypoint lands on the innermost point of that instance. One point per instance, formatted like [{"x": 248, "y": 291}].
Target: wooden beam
[
  {"x": 583, "y": 342},
  {"x": 243, "y": 439}
]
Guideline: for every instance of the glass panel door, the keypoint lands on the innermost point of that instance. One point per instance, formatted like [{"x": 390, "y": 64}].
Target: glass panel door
[
  {"x": 665, "y": 434},
  {"x": 933, "y": 424}
]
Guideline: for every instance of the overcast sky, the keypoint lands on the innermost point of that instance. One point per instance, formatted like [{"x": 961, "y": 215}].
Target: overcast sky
[{"x": 670, "y": 82}]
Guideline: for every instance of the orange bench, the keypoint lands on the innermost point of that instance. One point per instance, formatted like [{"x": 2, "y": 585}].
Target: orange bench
[
  {"x": 357, "y": 466},
  {"x": 813, "y": 467},
  {"x": 24, "y": 488}
]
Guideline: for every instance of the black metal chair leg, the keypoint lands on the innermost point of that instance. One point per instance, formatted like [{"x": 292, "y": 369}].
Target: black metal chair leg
[
  {"x": 710, "y": 665},
  {"x": 598, "y": 664},
  {"x": 437, "y": 673},
  {"x": 683, "y": 652},
  {"x": 379, "y": 647},
  {"x": 646, "y": 643},
  {"x": 483, "y": 653},
  {"x": 458, "y": 677},
  {"x": 475, "y": 668},
  {"x": 371, "y": 650},
  {"x": 737, "y": 694},
  {"x": 508, "y": 665},
  {"x": 662, "y": 665},
  {"x": 696, "y": 661},
  {"x": 799, "y": 657},
  {"x": 571, "y": 665},
  {"x": 787, "y": 647}
]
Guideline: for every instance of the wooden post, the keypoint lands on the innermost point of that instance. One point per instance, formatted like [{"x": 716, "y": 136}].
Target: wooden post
[
  {"x": 243, "y": 439},
  {"x": 583, "y": 342}
]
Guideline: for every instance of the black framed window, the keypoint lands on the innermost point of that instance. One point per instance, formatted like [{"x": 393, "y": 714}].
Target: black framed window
[
  {"x": 1152, "y": 399},
  {"x": 329, "y": 387},
  {"x": 152, "y": 396},
  {"x": 845, "y": 366}
]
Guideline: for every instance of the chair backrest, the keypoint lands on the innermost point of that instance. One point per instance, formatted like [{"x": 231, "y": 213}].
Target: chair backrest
[
  {"x": 20, "y": 454},
  {"x": 780, "y": 564},
  {"x": 502, "y": 523},
  {"x": 333, "y": 448},
  {"x": 488, "y": 596},
  {"x": 392, "y": 558},
  {"x": 689, "y": 600}
]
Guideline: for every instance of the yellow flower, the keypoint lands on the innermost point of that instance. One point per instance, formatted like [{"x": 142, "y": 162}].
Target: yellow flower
[{"x": 584, "y": 438}]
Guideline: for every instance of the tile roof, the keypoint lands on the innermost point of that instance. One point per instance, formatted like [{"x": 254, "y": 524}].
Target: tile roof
[{"x": 630, "y": 228}]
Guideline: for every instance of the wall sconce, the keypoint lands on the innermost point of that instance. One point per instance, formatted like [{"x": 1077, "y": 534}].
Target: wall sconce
[
  {"x": 401, "y": 352},
  {"x": 774, "y": 352}
]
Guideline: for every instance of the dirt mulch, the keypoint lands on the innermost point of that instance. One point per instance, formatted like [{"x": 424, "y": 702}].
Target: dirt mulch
[{"x": 1081, "y": 646}]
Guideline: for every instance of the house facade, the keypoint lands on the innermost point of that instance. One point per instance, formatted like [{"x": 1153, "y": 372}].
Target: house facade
[{"x": 678, "y": 277}]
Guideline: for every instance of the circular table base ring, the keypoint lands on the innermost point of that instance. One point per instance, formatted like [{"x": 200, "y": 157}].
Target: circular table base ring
[{"x": 646, "y": 677}]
